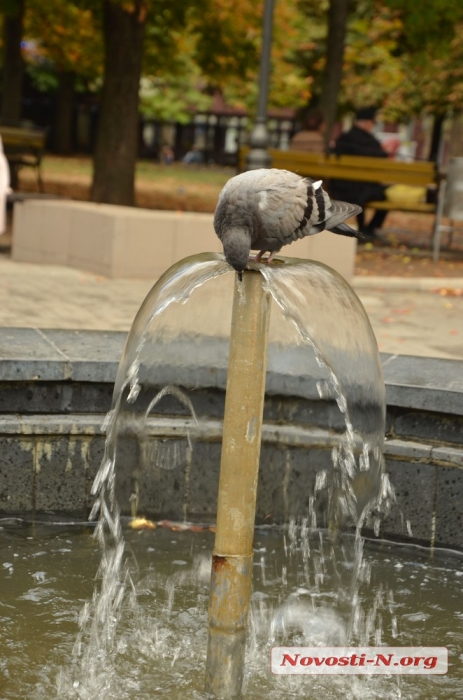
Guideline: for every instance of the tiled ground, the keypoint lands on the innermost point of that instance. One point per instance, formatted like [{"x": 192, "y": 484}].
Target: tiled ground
[{"x": 410, "y": 322}]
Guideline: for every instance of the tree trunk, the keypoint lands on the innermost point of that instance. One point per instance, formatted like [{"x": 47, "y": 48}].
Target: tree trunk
[
  {"x": 13, "y": 66},
  {"x": 337, "y": 25},
  {"x": 62, "y": 141},
  {"x": 117, "y": 138},
  {"x": 436, "y": 137}
]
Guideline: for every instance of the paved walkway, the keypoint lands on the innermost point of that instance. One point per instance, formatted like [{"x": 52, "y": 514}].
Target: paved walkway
[{"x": 408, "y": 316}]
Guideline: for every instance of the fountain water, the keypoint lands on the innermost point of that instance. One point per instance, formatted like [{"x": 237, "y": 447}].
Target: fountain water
[
  {"x": 327, "y": 318},
  {"x": 302, "y": 595},
  {"x": 144, "y": 633}
]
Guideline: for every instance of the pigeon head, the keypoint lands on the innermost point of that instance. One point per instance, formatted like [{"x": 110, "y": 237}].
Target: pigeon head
[{"x": 236, "y": 247}]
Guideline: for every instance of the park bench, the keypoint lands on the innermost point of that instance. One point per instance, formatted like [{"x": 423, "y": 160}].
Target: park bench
[
  {"x": 23, "y": 148},
  {"x": 363, "y": 169}
]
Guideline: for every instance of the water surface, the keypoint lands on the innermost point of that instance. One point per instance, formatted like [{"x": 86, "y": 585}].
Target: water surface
[{"x": 404, "y": 598}]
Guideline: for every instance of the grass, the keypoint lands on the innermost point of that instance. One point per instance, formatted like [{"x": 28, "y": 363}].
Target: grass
[
  {"x": 206, "y": 175},
  {"x": 147, "y": 171},
  {"x": 55, "y": 166},
  {"x": 173, "y": 187}
]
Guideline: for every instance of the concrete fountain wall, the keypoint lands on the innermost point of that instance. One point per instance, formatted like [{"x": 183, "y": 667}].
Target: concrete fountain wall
[
  {"x": 56, "y": 387},
  {"x": 137, "y": 243}
]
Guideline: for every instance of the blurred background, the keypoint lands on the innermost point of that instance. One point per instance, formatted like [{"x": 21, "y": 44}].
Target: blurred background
[
  {"x": 189, "y": 71},
  {"x": 148, "y": 102}
]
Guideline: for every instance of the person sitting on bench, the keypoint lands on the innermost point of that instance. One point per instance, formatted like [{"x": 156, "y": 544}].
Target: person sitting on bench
[{"x": 359, "y": 141}]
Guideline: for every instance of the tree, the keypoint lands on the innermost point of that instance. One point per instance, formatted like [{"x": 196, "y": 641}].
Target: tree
[
  {"x": 229, "y": 36},
  {"x": 173, "y": 86},
  {"x": 431, "y": 52},
  {"x": 175, "y": 92},
  {"x": 360, "y": 52},
  {"x": 117, "y": 140},
  {"x": 182, "y": 50},
  {"x": 125, "y": 24},
  {"x": 337, "y": 28},
  {"x": 67, "y": 53},
  {"x": 373, "y": 70},
  {"x": 13, "y": 65}
]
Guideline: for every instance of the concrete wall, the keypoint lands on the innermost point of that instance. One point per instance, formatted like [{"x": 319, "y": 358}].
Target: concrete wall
[
  {"x": 139, "y": 243},
  {"x": 56, "y": 386}
]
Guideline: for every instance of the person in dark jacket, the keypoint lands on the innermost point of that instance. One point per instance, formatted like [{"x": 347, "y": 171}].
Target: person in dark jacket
[{"x": 359, "y": 141}]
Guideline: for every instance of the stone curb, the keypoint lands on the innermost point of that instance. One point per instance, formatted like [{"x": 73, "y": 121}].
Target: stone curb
[
  {"x": 418, "y": 284},
  {"x": 32, "y": 355}
]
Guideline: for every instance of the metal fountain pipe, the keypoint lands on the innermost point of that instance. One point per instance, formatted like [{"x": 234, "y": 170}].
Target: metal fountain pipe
[{"x": 232, "y": 558}]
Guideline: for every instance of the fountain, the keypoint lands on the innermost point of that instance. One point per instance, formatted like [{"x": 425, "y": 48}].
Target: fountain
[
  {"x": 354, "y": 485},
  {"x": 316, "y": 581}
]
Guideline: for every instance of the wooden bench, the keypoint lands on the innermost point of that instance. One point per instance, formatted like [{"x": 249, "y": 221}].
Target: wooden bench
[
  {"x": 362, "y": 169},
  {"x": 23, "y": 148}
]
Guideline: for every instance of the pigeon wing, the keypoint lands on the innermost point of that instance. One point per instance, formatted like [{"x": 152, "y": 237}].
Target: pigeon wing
[
  {"x": 282, "y": 203},
  {"x": 278, "y": 206}
]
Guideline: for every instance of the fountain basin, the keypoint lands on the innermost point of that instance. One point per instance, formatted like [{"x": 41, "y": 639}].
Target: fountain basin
[
  {"x": 49, "y": 570},
  {"x": 56, "y": 388}
]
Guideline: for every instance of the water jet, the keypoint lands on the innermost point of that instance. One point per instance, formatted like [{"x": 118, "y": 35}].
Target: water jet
[
  {"x": 151, "y": 434},
  {"x": 351, "y": 487}
]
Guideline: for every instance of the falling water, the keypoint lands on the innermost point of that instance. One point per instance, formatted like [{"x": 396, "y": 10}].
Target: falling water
[
  {"x": 327, "y": 319},
  {"x": 97, "y": 643},
  {"x": 331, "y": 320}
]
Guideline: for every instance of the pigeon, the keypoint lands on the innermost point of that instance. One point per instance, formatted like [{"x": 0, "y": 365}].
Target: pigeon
[{"x": 266, "y": 209}]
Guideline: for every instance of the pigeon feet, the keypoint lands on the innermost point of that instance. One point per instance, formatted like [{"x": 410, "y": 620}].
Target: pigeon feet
[
  {"x": 270, "y": 257},
  {"x": 258, "y": 257}
]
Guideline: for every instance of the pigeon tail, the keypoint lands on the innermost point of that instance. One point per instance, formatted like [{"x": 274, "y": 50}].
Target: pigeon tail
[
  {"x": 345, "y": 230},
  {"x": 339, "y": 212}
]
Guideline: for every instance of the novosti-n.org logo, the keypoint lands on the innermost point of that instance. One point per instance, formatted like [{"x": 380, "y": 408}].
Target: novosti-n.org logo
[{"x": 359, "y": 660}]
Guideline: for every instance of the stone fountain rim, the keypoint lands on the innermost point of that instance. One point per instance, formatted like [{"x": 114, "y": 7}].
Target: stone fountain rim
[{"x": 50, "y": 355}]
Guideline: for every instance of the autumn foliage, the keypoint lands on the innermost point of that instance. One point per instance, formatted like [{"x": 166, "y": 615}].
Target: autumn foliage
[{"x": 399, "y": 53}]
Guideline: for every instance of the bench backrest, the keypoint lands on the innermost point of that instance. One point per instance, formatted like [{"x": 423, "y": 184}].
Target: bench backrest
[
  {"x": 361, "y": 168},
  {"x": 16, "y": 140}
]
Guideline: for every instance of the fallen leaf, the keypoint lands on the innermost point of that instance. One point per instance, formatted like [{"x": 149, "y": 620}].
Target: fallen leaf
[
  {"x": 142, "y": 524},
  {"x": 448, "y": 292},
  {"x": 181, "y": 527}
]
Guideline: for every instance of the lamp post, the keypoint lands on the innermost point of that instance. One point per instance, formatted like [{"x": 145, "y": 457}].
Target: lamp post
[{"x": 258, "y": 156}]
